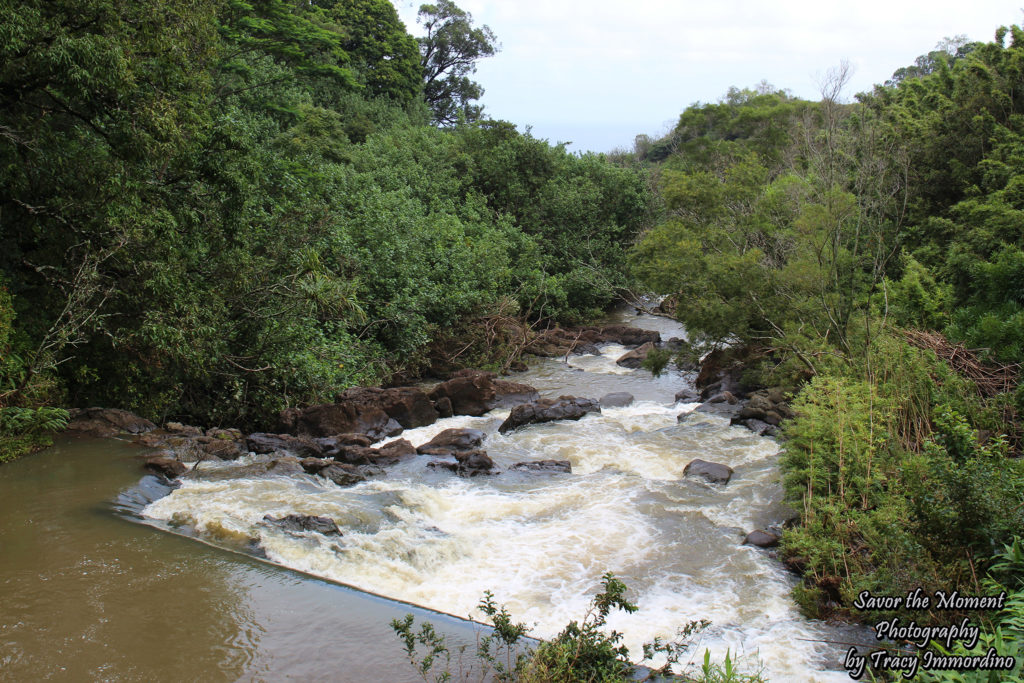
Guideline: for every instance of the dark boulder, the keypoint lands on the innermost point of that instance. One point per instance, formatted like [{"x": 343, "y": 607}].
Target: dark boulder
[
  {"x": 635, "y": 358},
  {"x": 225, "y": 450},
  {"x": 724, "y": 397},
  {"x": 711, "y": 471},
  {"x": 342, "y": 474},
  {"x": 107, "y": 422},
  {"x": 467, "y": 464},
  {"x": 452, "y": 441},
  {"x": 549, "y": 410},
  {"x": 761, "y": 539},
  {"x": 301, "y": 523},
  {"x": 285, "y": 466},
  {"x": 545, "y": 466},
  {"x": 475, "y": 392},
  {"x": 408, "y": 406},
  {"x": 337, "y": 418},
  {"x": 617, "y": 399},
  {"x": 260, "y": 442},
  {"x": 629, "y": 336},
  {"x": 723, "y": 409},
  {"x": 165, "y": 466},
  {"x": 759, "y": 427},
  {"x": 394, "y": 451},
  {"x": 183, "y": 429}
]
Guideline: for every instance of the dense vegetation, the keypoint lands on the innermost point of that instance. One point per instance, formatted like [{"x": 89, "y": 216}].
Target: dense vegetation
[
  {"x": 827, "y": 244},
  {"x": 213, "y": 210}
]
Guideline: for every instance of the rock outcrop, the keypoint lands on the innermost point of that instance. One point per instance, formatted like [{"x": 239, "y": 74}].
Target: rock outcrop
[
  {"x": 549, "y": 410},
  {"x": 476, "y": 392}
]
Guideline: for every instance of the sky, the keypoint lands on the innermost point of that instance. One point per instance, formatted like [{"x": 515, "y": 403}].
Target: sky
[{"x": 597, "y": 73}]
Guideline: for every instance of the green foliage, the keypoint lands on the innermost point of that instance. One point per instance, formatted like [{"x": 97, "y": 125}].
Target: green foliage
[
  {"x": 582, "y": 652},
  {"x": 23, "y": 430},
  {"x": 449, "y": 52},
  {"x": 656, "y": 361}
]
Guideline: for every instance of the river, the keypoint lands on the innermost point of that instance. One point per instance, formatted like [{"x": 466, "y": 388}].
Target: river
[{"x": 86, "y": 592}]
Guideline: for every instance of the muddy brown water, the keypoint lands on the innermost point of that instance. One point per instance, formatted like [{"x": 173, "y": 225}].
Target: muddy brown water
[{"x": 87, "y": 595}]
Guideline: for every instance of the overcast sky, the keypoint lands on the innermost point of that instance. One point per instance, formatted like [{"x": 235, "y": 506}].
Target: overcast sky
[{"x": 597, "y": 72}]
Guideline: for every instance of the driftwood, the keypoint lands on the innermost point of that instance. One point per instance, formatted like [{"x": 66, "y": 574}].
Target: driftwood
[{"x": 990, "y": 378}]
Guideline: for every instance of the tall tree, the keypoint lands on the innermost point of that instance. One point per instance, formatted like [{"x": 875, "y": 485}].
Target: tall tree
[{"x": 449, "y": 53}]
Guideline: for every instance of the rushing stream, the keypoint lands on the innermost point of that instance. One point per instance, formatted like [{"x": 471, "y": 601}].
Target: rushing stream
[
  {"x": 87, "y": 595},
  {"x": 540, "y": 541}
]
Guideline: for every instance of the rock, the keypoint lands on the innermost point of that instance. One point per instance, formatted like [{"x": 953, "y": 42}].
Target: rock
[
  {"x": 330, "y": 445},
  {"x": 475, "y": 392},
  {"x": 711, "y": 471},
  {"x": 586, "y": 350},
  {"x": 451, "y": 441},
  {"x": 315, "y": 465},
  {"x": 545, "y": 466},
  {"x": 675, "y": 345},
  {"x": 617, "y": 399},
  {"x": 444, "y": 407},
  {"x": 393, "y": 452},
  {"x": 300, "y": 523},
  {"x": 468, "y": 463},
  {"x": 225, "y": 434},
  {"x": 342, "y": 474},
  {"x": 107, "y": 422},
  {"x": 668, "y": 305},
  {"x": 183, "y": 429},
  {"x": 408, "y": 406},
  {"x": 285, "y": 465},
  {"x": 165, "y": 466},
  {"x": 758, "y": 404},
  {"x": 723, "y": 409},
  {"x": 549, "y": 410},
  {"x": 629, "y": 336},
  {"x": 225, "y": 450},
  {"x": 687, "y": 396},
  {"x": 757, "y": 426},
  {"x": 762, "y": 539},
  {"x": 635, "y": 358},
  {"x": 724, "y": 397},
  {"x": 260, "y": 442},
  {"x": 336, "y": 418}
]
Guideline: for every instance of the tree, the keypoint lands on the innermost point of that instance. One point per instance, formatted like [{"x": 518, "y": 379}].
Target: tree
[{"x": 449, "y": 53}]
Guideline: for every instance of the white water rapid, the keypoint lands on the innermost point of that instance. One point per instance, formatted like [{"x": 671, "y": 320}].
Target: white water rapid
[{"x": 540, "y": 541}]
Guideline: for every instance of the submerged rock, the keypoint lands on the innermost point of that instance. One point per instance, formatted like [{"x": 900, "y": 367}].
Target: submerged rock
[
  {"x": 549, "y": 410},
  {"x": 300, "y": 523},
  {"x": 451, "y": 441},
  {"x": 617, "y": 399},
  {"x": 545, "y": 466},
  {"x": 107, "y": 422},
  {"x": 713, "y": 472}
]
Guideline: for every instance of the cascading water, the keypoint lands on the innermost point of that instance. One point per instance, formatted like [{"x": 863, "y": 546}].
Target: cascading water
[{"x": 540, "y": 541}]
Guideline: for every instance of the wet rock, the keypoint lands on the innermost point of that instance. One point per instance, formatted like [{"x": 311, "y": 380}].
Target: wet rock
[
  {"x": 713, "y": 472},
  {"x": 394, "y": 451},
  {"x": 315, "y": 465},
  {"x": 545, "y": 466},
  {"x": 723, "y": 409},
  {"x": 758, "y": 427},
  {"x": 635, "y": 358},
  {"x": 107, "y": 422},
  {"x": 330, "y": 445},
  {"x": 408, "y": 406},
  {"x": 628, "y": 336},
  {"x": 675, "y": 345},
  {"x": 337, "y": 418},
  {"x": 451, "y": 441},
  {"x": 300, "y": 523},
  {"x": 260, "y": 442},
  {"x": 165, "y": 466},
  {"x": 342, "y": 474},
  {"x": 475, "y": 392},
  {"x": 549, "y": 410},
  {"x": 687, "y": 396},
  {"x": 761, "y": 539},
  {"x": 444, "y": 407},
  {"x": 586, "y": 350},
  {"x": 467, "y": 464},
  {"x": 285, "y": 465},
  {"x": 617, "y": 399},
  {"x": 724, "y": 397}
]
